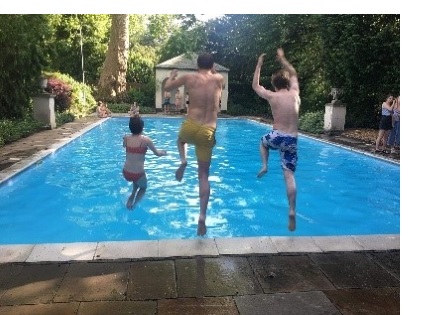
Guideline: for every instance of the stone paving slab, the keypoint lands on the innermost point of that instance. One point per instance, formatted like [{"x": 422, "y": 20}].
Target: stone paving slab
[
  {"x": 289, "y": 273},
  {"x": 198, "y": 306},
  {"x": 34, "y": 284},
  {"x": 94, "y": 281},
  {"x": 39, "y": 309},
  {"x": 152, "y": 280},
  {"x": 297, "y": 303},
  {"x": 117, "y": 308},
  {"x": 383, "y": 301},
  {"x": 221, "y": 276},
  {"x": 389, "y": 260},
  {"x": 354, "y": 270}
]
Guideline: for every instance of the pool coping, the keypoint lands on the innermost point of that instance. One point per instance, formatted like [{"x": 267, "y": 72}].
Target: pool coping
[{"x": 157, "y": 249}]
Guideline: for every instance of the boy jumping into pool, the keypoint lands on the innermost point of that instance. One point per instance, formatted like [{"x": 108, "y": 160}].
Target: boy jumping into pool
[
  {"x": 284, "y": 103},
  {"x": 136, "y": 146},
  {"x": 199, "y": 128}
]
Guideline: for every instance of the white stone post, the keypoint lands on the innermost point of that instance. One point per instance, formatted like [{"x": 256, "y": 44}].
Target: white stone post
[
  {"x": 335, "y": 117},
  {"x": 44, "y": 109}
]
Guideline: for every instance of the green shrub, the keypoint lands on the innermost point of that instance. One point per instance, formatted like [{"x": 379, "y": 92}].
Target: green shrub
[
  {"x": 312, "y": 122},
  {"x": 82, "y": 101},
  {"x": 120, "y": 108},
  {"x": 62, "y": 118},
  {"x": 12, "y": 130},
  {"x": 123, "y": 108}
]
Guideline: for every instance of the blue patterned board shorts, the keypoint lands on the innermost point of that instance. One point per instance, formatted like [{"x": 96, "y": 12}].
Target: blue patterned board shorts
[{"x": 287, "y": 146}]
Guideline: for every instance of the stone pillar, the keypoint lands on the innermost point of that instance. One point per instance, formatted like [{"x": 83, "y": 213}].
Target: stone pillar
[
  {"x": 335, "y": 117},
  {"x": 44, "y": 109}
]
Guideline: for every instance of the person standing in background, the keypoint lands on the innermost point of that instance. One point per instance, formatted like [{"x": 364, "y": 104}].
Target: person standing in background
[
  {"x": 385, "y": 124},
  {"x": 394, "y": 136}
]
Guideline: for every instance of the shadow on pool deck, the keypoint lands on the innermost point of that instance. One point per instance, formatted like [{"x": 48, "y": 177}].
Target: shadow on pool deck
[{"x": 321, "y": 281}]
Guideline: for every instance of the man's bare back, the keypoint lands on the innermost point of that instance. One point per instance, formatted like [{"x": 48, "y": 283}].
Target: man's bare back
[{"x": 204, "y": 88}]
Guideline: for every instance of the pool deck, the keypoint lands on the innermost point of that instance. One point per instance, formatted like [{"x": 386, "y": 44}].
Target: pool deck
[{"x": 247, "y": 276}]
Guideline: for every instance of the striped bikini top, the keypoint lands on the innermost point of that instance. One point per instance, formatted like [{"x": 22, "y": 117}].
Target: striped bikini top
[
  {"x": 141, "y": 150},
  {"x": 138, "y": 150}
]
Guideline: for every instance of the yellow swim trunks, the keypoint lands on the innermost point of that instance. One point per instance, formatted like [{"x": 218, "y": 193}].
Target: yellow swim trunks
[{"x": 202, "y": 137}]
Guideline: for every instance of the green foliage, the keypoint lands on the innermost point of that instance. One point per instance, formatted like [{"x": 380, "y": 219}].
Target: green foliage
[
  {"x": 141, "y": 64},
  {"x": 143, "y": 94},
  {"x": 235, "y": 109},
  {"x": 12, "y": 130},
  {"x": 22, "y": 40},
  {"x": 312, "y": 122},
  {"x": 82, "y": 101},
  {"x": 62, "y": 118},
  {"x": 74, "y": 35},
  {"x": 358, "y": 53},
  {"x": 123, "y": 108}
]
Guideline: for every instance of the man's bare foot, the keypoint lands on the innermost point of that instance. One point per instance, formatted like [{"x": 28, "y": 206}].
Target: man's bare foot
[
  {"x": 180, "y": 171},
  {"x": 202, "y": 229},
  {"x": 292, "y": 222},
  {"x": 262, "y": 172}
]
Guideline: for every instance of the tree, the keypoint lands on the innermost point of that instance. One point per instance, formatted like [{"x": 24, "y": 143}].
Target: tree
[
  {"x": 69, "y": 31},
  {"x": 22, "y": 58},
  {"x": 112, "y": 85}
]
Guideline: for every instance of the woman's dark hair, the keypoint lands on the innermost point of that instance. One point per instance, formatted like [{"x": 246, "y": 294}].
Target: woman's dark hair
[{"x": 136, "y": 125}]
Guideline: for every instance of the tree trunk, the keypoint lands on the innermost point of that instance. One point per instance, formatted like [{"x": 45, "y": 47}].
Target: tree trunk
[{"x": 113, "y": 83}]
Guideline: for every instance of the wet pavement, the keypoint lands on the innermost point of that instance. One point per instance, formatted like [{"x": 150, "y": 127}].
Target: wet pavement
[
  {"x": 308, "y": 284},
  {"x": 337, "y": 279}
]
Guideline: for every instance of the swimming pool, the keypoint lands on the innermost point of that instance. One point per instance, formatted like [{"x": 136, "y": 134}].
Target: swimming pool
[{"x": 78, "y": 194}]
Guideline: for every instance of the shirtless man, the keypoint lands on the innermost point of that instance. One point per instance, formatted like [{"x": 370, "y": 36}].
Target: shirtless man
[
  {"x": 199, "y": 128},
  {"x": 284, "y": 102}
]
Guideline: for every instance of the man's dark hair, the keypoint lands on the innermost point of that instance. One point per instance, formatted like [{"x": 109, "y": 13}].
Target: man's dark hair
[
  {"x": 281, "y": 80},
  {"x": 136, "y": 125},
  {"x": 205, "y": 61}
]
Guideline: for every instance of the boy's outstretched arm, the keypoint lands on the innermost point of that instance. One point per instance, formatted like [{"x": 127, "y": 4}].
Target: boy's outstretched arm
[
  {"x": 286, "y": 64},
  {"x": 293, "y": 75},
  {"x": 260, "y": 90}
]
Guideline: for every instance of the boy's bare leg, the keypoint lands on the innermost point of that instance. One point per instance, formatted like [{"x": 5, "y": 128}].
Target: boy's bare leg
[
  {"x": 291, "y": 196},
  {"x": 131, "y": 197},
  {"x": 139, "y": 196},
  {"x": 204, "y": 191},
  {"x": 264, "y": 159},
  {"x": 182, "y": 148}
]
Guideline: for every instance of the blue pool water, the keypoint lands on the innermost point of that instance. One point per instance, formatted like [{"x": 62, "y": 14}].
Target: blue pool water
[{"x": 78, "y": 194}]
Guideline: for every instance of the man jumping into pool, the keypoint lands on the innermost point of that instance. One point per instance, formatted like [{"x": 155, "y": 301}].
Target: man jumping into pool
[
  {"x": 199, "y": 128},
  {"x": 284, "y": 103}
]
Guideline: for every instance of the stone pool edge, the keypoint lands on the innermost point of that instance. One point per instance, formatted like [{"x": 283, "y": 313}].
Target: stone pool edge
[{"x": 208, "y": 247}]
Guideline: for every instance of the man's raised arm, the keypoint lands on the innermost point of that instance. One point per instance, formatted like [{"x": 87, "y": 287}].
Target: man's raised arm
[
  {"x": 293, "y": 75},
  {"x": 255, "y": 84},
  {"x": 286, "y": 64}
]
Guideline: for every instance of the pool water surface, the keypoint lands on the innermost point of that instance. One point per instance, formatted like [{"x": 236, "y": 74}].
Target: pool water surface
[{"x": 78, "y": 194}]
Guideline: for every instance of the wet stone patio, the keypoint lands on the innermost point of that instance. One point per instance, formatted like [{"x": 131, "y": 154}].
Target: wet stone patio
[{"x": 365, "y": 282}]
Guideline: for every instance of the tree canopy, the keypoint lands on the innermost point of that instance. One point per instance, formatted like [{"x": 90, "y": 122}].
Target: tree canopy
[{"x": 358, "y": 53}]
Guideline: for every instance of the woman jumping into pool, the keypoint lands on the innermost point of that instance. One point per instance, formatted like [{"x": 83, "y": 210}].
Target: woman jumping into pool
[
  {"x": 284, "y": 102},
  {"x": 136, "y": 146}
]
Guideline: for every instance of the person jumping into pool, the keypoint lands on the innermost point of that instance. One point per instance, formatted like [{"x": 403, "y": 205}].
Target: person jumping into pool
[
  {"x": 284, "y": 103},
  {"x": 136, "y": 146},
  {"x": 199, "y": 128}
]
